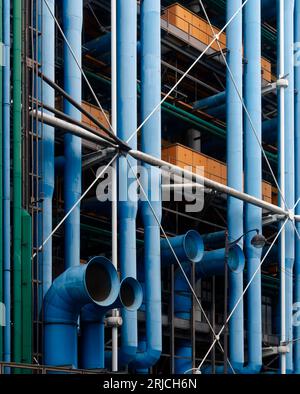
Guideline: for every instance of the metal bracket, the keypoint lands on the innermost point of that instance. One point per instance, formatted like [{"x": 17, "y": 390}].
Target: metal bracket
[
  {"x": 114, "y": 321},
  {"x": 282, "y": 83},
  {"x": 274, "y": 350}
]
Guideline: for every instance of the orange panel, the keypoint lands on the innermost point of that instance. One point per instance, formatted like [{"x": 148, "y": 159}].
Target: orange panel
[
  {"x": 224, "y": 171},
  {"x": 184, "y": 155},
  {"x": 199, "y": 160},
  {"x": 172, "y": 152},
  {"x": 214, "y": 167}
]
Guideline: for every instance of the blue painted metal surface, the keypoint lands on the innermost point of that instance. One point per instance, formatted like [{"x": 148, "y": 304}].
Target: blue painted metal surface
[
  {"x": 127, "y": 124},
  {"x": 253, "y": 176},
  {"x": 47, "y": 53},
  {"x": 297, "y": 187},
  {"x": 151, "y": 180},
  {"x": 212, "y": 101},
  {"x": 72, "y": 21},
  {"x": 188, "y": 247},
  {"x": 92, "y": 323},
  {"x": 289, "y": 171},
  {"x": 212, "y": 262},
  {"x": 235, "y": 174},
  {"x": 96, "y": 282}
]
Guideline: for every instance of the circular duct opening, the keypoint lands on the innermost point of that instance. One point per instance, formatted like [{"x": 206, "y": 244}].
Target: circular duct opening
[
  {"x": 131, "y": 294},
  {"x": 193, "y": 246},
  {"x": 236, "y": 260},
  {"x": 127, "y": 295},
  {"x": 98, "y": 281}
]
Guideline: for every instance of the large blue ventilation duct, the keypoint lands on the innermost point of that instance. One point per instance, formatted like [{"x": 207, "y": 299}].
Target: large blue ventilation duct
[
  {"x": 187, "y": 247},
  {"x": 253, "y": 176},
  {"x": 72, "y": 21},
  {"x": 212, "y": 263},
  {"x": 289, "y": 171},
  {"x": 127, "y": 125},
  {"x": 297, "y": 188},
  {"x": 92, "y": 323},
  {"x": 95, "y": 282},
  {"x": 235, "y": 173},
  {"x": 211, "y": 101},
  {"x": 151, "y": 180}
]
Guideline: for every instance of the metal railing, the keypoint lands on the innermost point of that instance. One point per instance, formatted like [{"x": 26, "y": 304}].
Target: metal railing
[{"x": 43, "y": 369}]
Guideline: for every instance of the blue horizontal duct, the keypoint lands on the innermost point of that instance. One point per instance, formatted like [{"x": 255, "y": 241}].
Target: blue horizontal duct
[
  {"x": 187, "y": 247},
  {"x": 212, "y": 263},
  {"x": 100, "y": 48},
  {"x": 96, "y": 282},
  {"x": 211, "y": 101}
]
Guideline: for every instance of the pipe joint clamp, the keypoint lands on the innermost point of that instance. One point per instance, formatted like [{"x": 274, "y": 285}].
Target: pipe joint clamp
[
  {"x": 283, "y": 349},
  {"x": 114, "y": 321},
  {"x": 282, "y": 83}
]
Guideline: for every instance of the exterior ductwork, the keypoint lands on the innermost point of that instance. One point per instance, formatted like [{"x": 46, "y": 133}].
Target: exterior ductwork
[
  {"x": 235, "y": 173},
  {"x": 187, "y": 247},
  {"x": 212, "y": 263},
  {"x": 289, "y": 172},
  {"x": 127, "y": 124},
  {"x": 95, "y": 282},
  {"x": 72, "y": 21},
  {"x": 92, "y": 323},
  {"x": 253, "y": 177},
  {"x": 151, "y": 180},
  {"x": 297, "y": 188},
  {"x": 47, "y": 53}
]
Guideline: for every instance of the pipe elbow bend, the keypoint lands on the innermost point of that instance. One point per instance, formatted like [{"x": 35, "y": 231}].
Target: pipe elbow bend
[
  {"x": 252, "y": 369},
  {"x": 130, "y": 297},
  {"x": 146, "y": 359},
  {"x": 95, "y": 282}
]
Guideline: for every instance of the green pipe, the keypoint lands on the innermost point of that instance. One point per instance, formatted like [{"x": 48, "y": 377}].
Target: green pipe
[
  {"x": 1, "y": 177},
  {"x": 26, "y": 288},
  {"x": 17, "y": 181}
]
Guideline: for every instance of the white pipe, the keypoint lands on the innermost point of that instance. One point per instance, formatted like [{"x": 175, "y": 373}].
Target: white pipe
[
  {"x": 179, "y": 186},
  {"x": 114, "y": 172},
  {"x": 209, "y": 183},
  {"x": 173, "y": 169},
  {"x": 70, "y": 127},
  {"x": 282, "y": 180}
]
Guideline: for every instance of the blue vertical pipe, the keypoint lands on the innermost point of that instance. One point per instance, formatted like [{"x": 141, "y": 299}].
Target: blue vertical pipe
[
  {"x": 47, "y": 95},
  {"x": 151, "y": 178},
  {"x": 183, "y": 309},
  {"x": 127, "y": 124},
  {"x": 6, "y": 177},
  {"x": 289, "y": 171},
  {"x": 253, "y": 176},
  {"x": 96, "y": 282},
  {"x": 92, "y": 323},
  {"x": 297, "y": 187},
  {"x": 72, "y": 22},
  {"x": 235, "y": 173},
  {"x": 212, "y": 263}
]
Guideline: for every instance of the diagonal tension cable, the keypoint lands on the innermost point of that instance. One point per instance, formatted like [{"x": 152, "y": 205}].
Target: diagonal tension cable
[
  {"x": 123, "y": 145},
  {"x": 245, "y": 290},
  {"x": 176, "y": 258},
  {"x": 77, "y": 63},
  {"x": 186, "y": 73},
  {"x": 75, "y": 205},
  {"x": 242, "y": 101}
]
